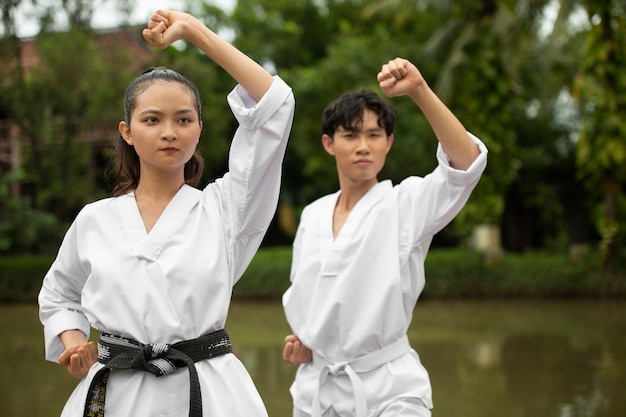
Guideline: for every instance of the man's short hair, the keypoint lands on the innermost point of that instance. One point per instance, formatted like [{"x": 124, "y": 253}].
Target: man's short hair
[{"x": 347, "y": 112}]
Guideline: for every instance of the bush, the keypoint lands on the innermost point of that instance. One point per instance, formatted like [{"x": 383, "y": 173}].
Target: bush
[
  {"x": 465, "y": 273},
  {"x": 21, "y": 277},
  {"x": 450, "y": 273},
  {"x": 267, "y": 276},
  {"x": 24, "y": 229}
]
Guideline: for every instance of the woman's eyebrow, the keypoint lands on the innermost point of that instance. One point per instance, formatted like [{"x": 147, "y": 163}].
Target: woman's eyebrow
[{"x": 159, "y": 112}]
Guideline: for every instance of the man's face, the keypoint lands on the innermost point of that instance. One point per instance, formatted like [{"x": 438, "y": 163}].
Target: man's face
[{"x": 360, "y": 153}]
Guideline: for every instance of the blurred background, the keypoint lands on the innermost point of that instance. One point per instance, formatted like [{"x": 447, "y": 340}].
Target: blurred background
[{"x": 541, "y": 82}]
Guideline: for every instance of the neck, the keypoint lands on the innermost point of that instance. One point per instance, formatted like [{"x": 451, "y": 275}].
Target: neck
[
  {"x": 351, "y": 194},
  {"x": 159, "y": 188}
]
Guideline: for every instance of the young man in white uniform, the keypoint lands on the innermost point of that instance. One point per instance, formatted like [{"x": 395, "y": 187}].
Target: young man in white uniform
[{"x": 358, "y": 256}]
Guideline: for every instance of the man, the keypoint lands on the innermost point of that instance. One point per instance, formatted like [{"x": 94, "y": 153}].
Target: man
[{"x": 358, "y": 256}]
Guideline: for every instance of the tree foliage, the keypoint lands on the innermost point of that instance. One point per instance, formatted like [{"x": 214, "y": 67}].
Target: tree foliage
[
  {"x": 543, "y": 97},
  {"x": 601, "y": 148}
]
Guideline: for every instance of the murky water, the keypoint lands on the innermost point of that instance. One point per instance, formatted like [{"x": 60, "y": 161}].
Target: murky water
[{"x": 485, "y": 358}]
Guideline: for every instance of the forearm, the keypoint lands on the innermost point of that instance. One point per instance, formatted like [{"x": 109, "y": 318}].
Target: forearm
[
  {"x": 247, "y": 72},
  {"x": 450, "y": 132},
  {"x": 71, "y": 338}
]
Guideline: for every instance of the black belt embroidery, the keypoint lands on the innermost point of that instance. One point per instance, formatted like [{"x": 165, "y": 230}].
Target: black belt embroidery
[{"x": 117, "y": 352}]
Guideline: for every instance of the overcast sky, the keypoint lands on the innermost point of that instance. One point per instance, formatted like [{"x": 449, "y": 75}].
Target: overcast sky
[{"x": 104, "y": 16}]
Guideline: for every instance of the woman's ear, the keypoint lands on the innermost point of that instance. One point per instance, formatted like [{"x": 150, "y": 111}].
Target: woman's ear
[
  {"x": 328, "y": 144},
  {"x": 200, "y": 134},
  {"x": 124, "y": 130}
]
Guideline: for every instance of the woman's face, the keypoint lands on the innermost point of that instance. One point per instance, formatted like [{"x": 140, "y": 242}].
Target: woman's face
[{"x": 164, "y": 127}]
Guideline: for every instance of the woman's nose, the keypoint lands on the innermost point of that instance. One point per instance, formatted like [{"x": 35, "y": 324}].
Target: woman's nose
[{"x": 169, "y": 132}]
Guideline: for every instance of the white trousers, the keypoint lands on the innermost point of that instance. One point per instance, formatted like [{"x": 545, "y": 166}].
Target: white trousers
[{"x": 402, "y": 407}]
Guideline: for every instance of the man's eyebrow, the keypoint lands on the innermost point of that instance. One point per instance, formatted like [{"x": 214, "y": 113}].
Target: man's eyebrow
[{"x": 341, "y": 128}]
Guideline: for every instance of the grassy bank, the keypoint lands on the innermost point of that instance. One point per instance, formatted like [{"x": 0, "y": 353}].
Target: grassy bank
[
  {"x": 462, "y": 273},
  {"x": 450, "y": 273}
]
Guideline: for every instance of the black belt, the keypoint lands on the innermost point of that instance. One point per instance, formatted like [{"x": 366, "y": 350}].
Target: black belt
[{"x": 159, "y": 359}]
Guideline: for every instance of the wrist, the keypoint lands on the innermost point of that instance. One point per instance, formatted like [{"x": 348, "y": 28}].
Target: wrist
[
  {"x": 421, "y": 93},
  {"x": 72, "y": 337}
]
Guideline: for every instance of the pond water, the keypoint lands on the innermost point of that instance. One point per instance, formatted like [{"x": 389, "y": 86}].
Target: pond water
[{"x": 485, "y": 358}]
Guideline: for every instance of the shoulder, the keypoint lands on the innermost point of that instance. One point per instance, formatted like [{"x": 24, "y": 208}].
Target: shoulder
[
  {"x": 97, "y": 209},
  {"x": 321, "y": 202},
  {"x": 419, "y": 187},
  {"x": 98, "y": 205},
  {"x": 316, "y": 207},
  {"x": 414, "y": 181}
]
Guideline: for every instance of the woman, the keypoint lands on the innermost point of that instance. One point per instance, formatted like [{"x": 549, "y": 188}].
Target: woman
[{"x": 153, "y": 267}]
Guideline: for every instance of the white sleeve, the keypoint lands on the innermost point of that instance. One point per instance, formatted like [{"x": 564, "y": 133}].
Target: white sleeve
[
  {"x": 60, "y": 297},
  {"x": 431, "y": 203},
  {"x": 252, "y": 183},
  {"x": 472, "y": 173}
]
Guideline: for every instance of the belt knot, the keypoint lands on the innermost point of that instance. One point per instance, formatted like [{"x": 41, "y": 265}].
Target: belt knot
[
  {"x": 335, "y": 368},
  {"x": 158, "y": 350},
  {"x": 158, "y": 359}
]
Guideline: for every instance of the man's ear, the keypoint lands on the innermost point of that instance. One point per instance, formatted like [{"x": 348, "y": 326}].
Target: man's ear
[
  {"x": 124, "y": 130},
  {"x": 389, "y": 142},
  {"x": 328, "y": 144}
]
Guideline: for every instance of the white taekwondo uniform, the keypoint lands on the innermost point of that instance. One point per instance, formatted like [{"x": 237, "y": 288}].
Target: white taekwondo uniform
[
  {"x": 354, "y": 294},
  {"x": 174, "y": 283}
]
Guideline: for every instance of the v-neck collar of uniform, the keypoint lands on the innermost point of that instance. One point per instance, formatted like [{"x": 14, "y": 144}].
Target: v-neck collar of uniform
[
  {"x": 369, "y": 199},
  {"x": 148, "y": 245}
]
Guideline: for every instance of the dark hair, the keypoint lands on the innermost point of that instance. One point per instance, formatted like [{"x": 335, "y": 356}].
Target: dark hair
[
  {"x": 125, "y": 159},
  {"x": 347, "y": 112}
]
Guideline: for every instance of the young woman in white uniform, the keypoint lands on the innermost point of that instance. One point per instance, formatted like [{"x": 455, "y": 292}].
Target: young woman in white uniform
[
  {"x": 358, "y": 256},
  {"x": 154, "y": 266}
]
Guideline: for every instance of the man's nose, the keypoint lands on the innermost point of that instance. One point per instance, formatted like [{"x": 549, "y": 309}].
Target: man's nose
[{"x": 362, "y": 145}]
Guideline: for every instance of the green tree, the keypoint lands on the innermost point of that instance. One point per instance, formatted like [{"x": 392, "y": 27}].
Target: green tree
[
  {"x": 24, "y": 229},
  {"x": 545, "y": 206},
  {"x": 322, "y": 49},
  {"x": 484, "y": 47},
  {"x": 77, "y": 84},
  {"x": 475, "y": 54},
  {"x": 601, "y": 148}
]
